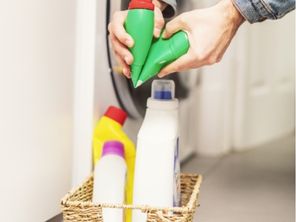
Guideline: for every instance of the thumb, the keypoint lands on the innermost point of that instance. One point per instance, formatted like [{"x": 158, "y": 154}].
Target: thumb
[
  {"x": 158, "y": 22},
  {"x": 181, "y": 64},
  {"x": 172, "y": 27}
]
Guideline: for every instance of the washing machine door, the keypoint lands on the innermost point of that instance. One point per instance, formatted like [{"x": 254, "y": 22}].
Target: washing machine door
[{"x": 134, "y": 100}]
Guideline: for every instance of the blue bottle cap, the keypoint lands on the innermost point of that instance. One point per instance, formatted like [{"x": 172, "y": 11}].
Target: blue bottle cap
[{"x": 163, "y": 89}]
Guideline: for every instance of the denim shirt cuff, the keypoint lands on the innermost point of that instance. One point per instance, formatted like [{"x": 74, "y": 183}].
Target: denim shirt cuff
[{"x": 254, "y": 10}]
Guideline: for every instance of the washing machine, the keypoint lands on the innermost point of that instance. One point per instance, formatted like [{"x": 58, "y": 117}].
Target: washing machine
[{"x": 110, "y": 87}]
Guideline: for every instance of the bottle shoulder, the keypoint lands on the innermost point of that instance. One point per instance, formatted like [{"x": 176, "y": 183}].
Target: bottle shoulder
[
  {"x": 107, "y": 129},
  {"x": 159, "y": 124},
  {"x": 110, "y": 161}
]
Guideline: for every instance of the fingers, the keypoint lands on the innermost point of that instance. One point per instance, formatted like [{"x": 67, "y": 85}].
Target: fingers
[
  {"x": 122, "y": 55},
  {"x": 181, "y": 64},
  {"x": 120, "y": 40},
  {"x": 116, "y": 27},
  {"x": 173, "y": 26},
  {"x": 125, "y": 68},
  {"x": 158, "y": 22},
  {"x": 121, "y": 50}
]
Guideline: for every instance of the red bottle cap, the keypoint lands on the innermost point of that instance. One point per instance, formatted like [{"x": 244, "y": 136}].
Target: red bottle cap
[
  {"x": 141, "y": 4},
  {"x": 116, "y": 114}
]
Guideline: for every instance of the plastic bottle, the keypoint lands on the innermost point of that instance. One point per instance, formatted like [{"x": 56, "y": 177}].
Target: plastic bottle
[
  {"x": 140, "y": 24},
  {"x": 162, "y": 53},
  {"x": 108, "y": 128},
  {"x": 156, "y": 181},
  {"x": 110, "y": 179}
]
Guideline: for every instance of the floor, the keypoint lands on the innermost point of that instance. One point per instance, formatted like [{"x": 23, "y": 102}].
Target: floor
[
  {"x": 256, "y": 185},
  {"x": 252, "y": 186}
]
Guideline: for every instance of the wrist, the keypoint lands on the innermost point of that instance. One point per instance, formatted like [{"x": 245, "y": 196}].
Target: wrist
[
  {"x": 233, "y": 13},
  {"x": 236, "y": 14}
]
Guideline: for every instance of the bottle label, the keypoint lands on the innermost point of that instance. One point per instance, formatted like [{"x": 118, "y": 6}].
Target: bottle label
[{"x": 177, "y": 184}]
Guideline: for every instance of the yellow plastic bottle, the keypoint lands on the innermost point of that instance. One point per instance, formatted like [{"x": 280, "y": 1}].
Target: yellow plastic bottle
[{"x": 109, "y": 128}]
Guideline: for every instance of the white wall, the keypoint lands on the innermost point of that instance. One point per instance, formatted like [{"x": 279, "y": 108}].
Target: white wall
[{"x": 36, "y": 107}]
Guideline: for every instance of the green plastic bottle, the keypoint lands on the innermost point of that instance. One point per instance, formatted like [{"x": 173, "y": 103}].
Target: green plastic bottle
[
  {"x": 140, "y": 24},
  {"x": 162, "y": 53}
]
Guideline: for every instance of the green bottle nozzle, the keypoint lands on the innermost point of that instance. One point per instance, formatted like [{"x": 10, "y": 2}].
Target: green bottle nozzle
[
  {"x": 140, "y": 24},
  {"x": 162, "y": 53}
]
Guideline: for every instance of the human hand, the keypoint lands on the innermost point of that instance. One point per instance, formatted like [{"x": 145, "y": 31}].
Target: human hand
[
  {"x": 121, "y": 40},
  {"x": 210, "y": 32}
]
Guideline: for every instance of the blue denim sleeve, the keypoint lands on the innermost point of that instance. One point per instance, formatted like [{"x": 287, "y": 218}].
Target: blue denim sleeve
[{"x": 259, "y": 10}]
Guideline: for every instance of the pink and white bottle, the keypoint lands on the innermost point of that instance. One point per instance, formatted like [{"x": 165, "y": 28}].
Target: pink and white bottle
[{"x": 110, "y": 180}]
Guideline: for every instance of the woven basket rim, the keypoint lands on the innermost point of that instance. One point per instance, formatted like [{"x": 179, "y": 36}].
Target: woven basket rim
[{"x": 188, "y": 208}]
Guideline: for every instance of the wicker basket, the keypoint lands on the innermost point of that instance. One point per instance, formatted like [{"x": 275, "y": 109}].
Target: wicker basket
[{"x": 77, "y": 205}]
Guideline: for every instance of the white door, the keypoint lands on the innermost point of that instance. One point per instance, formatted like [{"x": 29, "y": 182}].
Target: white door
[
  {"x": 36, "y": 107},
  {"x": 265, "y": 69}
]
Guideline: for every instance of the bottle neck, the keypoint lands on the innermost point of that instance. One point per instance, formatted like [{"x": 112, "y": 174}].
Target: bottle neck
[
  {"x": 162, "y": 104},
  {"x": 141, "y": 4}
]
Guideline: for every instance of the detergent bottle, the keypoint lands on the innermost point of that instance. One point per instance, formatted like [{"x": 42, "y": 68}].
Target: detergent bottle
[
  {"x": 156, "y": 181},
  {"x": 108, "y": 128},
  {"x": 162, "y": 53},
  {"x": 110, "y": 180},
  {"x": 140, "y": 24}
]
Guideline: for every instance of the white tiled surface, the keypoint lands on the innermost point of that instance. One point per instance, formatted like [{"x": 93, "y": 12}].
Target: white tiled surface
[
  {"x": 252, "y": 186},
  {"x": 256, "y": 185}
]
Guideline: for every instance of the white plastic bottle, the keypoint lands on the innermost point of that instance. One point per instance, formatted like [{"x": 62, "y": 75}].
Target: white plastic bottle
[
  {"x": 110, "y": 180},
  {"x": 156, "y": 181}
]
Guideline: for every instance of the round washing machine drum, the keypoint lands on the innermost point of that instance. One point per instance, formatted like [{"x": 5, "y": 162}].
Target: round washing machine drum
[{"x": 131, "y": 99}]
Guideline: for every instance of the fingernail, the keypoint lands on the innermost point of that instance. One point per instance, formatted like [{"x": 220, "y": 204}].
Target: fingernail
[
  {"x": 129, "y": 42},
  {"x": 124, "y": 71},
  {"x": 160, "y": 75},
  {"x": 127, "y": 60}
]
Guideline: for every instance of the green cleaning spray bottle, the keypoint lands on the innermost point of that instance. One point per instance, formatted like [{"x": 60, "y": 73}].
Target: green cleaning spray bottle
[
  {"x": 140, "y": 24},
  {"x": 162, "y": 53}
]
